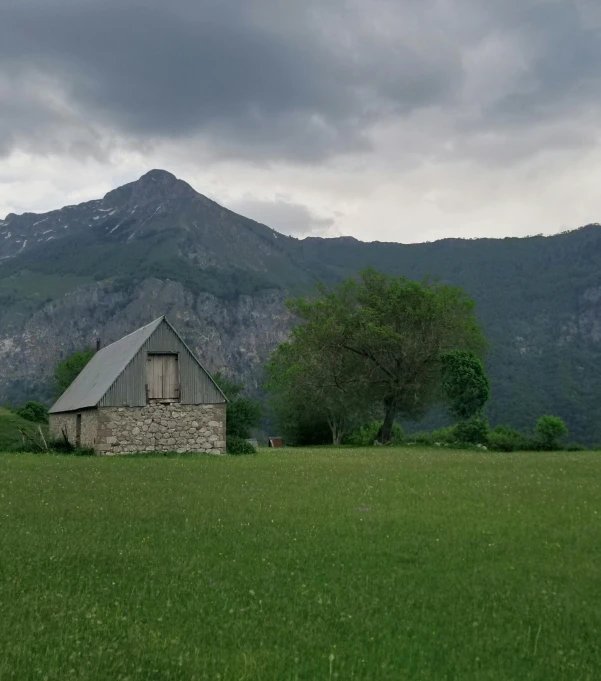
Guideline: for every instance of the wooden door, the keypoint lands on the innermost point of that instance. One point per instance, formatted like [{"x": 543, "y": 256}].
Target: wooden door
[
  {"x": 78, "y": 430},
  {"x": 162, "y": 377},
  {"x": 170, "y": 377},
  {"x": 154, "y": 377}
]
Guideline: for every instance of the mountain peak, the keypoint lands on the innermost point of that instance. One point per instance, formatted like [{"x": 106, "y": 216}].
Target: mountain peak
[
  {"x": 155, "y": 185},
  {"x": 158, "y": 175}
]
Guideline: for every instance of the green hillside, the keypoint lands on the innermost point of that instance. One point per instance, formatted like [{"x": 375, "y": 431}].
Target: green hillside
[{"x": 10, "y": 430}]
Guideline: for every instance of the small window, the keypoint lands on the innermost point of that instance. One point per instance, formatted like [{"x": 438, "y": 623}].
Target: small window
[{"x": 162, "y": 378}]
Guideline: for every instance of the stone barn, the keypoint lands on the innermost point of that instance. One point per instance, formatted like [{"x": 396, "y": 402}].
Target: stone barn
[{"x": 144, "y": 393}]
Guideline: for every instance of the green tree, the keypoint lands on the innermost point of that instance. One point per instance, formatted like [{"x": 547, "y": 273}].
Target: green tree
[
  {"x": 69, "y": 369},
  {"x": 312, "y": 379},
  {"x": 473, "y": 430},
  {"x": 549, "y": 429},
  {"x": 242, "y": 413},
  {"x": 298, "y": 422},
  {"x": 33, "y": 411},
  {"x": 465, "y": 385},
  {"x": 397, "y": 331}
]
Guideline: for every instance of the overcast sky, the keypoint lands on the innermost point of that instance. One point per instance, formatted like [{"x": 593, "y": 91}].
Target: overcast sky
[{"x": 400, "y": 120}]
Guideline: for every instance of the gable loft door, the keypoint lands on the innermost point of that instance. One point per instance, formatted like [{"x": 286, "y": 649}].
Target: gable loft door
[{"x": 162, "y": 378}]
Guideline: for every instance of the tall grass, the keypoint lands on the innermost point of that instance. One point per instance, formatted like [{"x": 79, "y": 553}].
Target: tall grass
[{"x": 308, "y": 564}]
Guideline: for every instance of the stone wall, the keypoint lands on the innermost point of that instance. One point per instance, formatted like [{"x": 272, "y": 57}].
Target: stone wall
[
  {"x": 162, "y": 428},
  {"x": 68, "y": 422}
]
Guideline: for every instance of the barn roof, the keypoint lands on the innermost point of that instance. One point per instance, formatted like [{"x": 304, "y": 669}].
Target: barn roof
[
  {"x": 107, "y": 365},
  {"x": 103, "y": 370}
]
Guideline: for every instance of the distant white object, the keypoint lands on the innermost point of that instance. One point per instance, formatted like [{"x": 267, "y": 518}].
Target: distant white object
[{"x": 254, "y": 443}]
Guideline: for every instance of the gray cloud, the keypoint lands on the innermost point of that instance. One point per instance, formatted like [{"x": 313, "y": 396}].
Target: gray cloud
[
  {"x": 554, "y": 81},
  {"x": 565, "y": 55},
  {"x": 285, "y": 216},
  {"x": 257, "y": 81}
]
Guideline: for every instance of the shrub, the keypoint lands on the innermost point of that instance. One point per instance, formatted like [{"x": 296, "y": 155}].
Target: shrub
[
  {"x": 472, "y": 431},
  {"x": 367, "y": 435},
  {"x": 62, "y": 446},
  {"x": 33, "y": 411},
  {"x": 444, "y": 435},
  {"x": 243, "y": 414},
  {"x": 575, "y": 447},
  {"x": 421, "y": 438},
  {"x": 549, "y": 429},
  {"x": 533, "y": 444},
  {"x": 506, "y": 439},
  {"x": 239, "y": 446}
]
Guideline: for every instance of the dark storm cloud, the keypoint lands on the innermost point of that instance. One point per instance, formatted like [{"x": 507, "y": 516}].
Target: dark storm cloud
[
  {"x": 565, "y": 71},
  {"x": 253, "y": 79},
  {"x": 302, "y": 83}
]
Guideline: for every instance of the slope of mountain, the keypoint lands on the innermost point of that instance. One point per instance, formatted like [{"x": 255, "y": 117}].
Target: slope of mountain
[
  {"x": 157, "y": 226},
  {"x": 156, "y": 246}
]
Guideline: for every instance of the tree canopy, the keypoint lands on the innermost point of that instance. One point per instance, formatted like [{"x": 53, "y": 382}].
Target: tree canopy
[
  {"x": 313, "y": 380},
  {"x": 549, "y": 429},
  {"x": 243, "y": 414},
  {"x": 377, "y": 340},
  {"x": 69, "y": 369},
  {"x": 33, "y": 411},
  {"x": 464, "y": 383}
]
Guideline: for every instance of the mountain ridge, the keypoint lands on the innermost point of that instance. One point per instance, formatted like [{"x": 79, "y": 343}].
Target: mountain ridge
[{"x": 171, "y": 187}]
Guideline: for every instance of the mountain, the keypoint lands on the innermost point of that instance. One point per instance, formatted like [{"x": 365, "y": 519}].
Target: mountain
[
  {"x": 157, "y": 226},
  {"x": 156, "y": 246}
]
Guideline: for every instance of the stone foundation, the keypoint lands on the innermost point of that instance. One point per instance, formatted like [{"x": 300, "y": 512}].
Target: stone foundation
[{"x": 161, "y": 428}]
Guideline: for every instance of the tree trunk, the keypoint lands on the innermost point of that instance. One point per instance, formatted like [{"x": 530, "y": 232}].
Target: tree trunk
[
  {"x": 337, "y": 433},
  {"x": 337, "y": 430},
  {"x": 336, "y": 436},
  {"x": 385, "y": 432}
]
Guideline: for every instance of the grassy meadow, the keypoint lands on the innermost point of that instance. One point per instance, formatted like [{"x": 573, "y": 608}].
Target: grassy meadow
[
  {"x": 11, "y": 426},
  {"x": 301, "y": 564}
]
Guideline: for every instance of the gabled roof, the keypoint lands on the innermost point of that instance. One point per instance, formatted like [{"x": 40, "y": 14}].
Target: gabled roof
[
  {"x": 103, "y": 370},
  {"x": 183, "y": 342}
]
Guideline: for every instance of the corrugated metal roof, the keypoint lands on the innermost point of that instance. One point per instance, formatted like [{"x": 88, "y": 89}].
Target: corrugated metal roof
[
  {"x": 183, "y": 342},
  {"x": 102, "y": 371}
]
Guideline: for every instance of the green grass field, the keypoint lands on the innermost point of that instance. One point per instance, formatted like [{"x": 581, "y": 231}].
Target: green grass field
[{"x": 301, "y": 564}]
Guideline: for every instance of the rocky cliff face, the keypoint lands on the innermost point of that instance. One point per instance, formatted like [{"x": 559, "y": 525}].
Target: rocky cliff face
[{"x": 234, "y": 335}]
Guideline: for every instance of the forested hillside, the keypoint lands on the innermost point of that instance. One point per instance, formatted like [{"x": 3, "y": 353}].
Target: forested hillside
[{"x": 157, "y": 247}]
